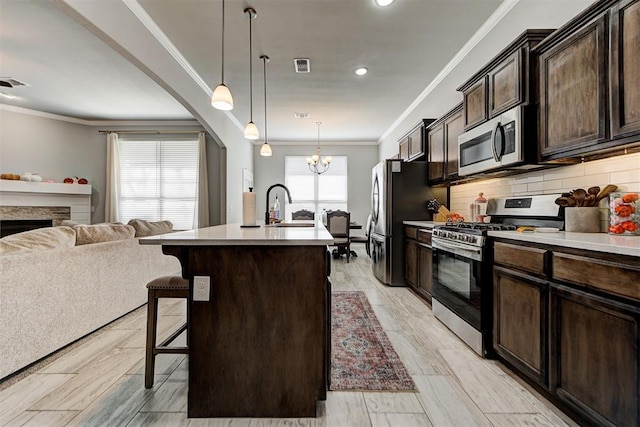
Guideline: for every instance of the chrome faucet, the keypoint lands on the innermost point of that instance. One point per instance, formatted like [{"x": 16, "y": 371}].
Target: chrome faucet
[{"x": 266, "y": 213}]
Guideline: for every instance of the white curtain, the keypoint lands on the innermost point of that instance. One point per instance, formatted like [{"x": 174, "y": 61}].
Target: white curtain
[
  {"x": 112, "y": 193},
  {"x": 202, "y": 207}
]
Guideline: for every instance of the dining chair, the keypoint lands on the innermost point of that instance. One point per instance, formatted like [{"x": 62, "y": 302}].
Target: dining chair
[
  {"x": 338, "y": 225},
  {"x": 303, "y": 214}
]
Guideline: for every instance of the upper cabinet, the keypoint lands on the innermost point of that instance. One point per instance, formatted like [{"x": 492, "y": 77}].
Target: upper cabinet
[
  {"x": 506, "y": 81},
  {"x": 625, "y": 69},
  {"x": 442, "y": 147},
  {"x": 412, "y": 144},
  {"x": 588, "y": 81}
]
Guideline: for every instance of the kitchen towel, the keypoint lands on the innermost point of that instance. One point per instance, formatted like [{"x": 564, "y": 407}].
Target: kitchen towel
[{"x": 248, "y": 208}]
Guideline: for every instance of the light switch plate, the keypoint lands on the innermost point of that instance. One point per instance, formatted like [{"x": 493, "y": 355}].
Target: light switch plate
[{"x": 201, "y": 288}]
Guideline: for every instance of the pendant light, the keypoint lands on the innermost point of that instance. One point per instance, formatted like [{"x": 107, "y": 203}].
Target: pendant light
[
  {"x": 222, "y": 99},
  {"x": 316, "y": 164},
  {"x": 265, "y": 150},
  {"x": 251, "y": 131}
]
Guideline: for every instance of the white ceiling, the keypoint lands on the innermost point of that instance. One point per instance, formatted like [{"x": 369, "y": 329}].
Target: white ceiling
[{"x": 72, "y": 72}]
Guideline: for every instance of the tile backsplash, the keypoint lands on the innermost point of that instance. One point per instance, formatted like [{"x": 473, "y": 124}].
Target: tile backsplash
[{"x": 623, "y": 171}]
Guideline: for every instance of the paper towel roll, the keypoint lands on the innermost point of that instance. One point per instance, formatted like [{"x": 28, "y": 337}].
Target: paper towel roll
[{"x": 248, "y": 208}]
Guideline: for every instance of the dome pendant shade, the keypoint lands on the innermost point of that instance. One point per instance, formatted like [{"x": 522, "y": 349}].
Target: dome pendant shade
[
  {"x": 266, "y": 150},
  {"x": 222, "y": 99},
  {"x": 251, "y": 131}
]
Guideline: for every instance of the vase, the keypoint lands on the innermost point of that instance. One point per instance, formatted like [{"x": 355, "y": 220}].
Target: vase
[
  {"x": 624, "y": 218},
  {"x": 582, "y": 219}
]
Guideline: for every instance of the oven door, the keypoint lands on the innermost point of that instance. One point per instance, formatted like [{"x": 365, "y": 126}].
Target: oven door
[{"x": 457, "y": 279}]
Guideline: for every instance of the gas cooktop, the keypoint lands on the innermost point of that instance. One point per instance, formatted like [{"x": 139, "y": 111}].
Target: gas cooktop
[{"x": 479, "y": 226}]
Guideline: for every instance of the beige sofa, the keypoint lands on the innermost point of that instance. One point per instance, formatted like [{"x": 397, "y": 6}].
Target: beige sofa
[{"x": 51, "y": 297}]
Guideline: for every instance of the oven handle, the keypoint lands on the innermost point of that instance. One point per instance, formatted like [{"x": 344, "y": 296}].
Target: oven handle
[{"x": 475, "y": 253}]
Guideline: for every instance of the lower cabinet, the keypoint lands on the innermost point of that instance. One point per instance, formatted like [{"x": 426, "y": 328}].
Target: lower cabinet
[
  {"x": 520, "y": 322},
  {"x": 569, "y": 321},
  {"x": 595, "y": 355},
  {"x": 418, "y": 261},
  {"x": 425, "y": 268}
]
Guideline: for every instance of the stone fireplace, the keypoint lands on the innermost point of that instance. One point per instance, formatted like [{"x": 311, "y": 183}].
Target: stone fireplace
[{"x": 26, "y": 205}]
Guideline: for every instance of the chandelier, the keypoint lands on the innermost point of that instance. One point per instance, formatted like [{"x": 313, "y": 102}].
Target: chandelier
[{"x": 316, "y": 164}]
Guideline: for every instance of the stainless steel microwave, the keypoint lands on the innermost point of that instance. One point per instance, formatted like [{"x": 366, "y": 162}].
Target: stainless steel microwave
[{"x": 497, "y": 144}]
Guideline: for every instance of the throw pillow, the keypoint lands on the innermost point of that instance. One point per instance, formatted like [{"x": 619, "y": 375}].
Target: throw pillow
[
  {"x": 98, "y": 233},
  {"x": 38, "y": 239},
  {"x": 150, "y": 228}
]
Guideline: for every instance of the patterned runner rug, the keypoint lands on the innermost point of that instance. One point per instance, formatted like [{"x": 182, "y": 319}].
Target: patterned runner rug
[{"x": 362, "y": 357}]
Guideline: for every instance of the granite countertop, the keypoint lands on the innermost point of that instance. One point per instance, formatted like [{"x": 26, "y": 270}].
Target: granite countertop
[
  {"x": 234, "y": 235},
  {"x": 601, "y": 242}
]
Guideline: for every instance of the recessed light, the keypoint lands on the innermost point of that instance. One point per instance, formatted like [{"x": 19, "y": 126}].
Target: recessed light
[
  {"x": 301, "y": 115},
  {"x": 361, "y": 71},
  {"x": 384, "y": 2}
]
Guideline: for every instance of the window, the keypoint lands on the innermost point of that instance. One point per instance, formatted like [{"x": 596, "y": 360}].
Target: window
[
  {"x": 158, "y": 181},
  {"x": 315, "y": 192}
]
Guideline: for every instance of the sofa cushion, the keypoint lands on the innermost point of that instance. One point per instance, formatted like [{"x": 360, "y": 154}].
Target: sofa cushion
[
  {"x": 97, "y": 233},
  {"x": 150, "y": 228},
  {"x": 38, "y": 239}
]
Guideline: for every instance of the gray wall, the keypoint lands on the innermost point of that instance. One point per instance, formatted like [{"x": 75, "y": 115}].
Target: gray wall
[
  {"x": 57, "y": 149},
  {"x": 362, "y": 158}
]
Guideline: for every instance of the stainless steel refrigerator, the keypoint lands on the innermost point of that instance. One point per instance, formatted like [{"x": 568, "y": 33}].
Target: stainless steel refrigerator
[{"x": 399, "y": 193}]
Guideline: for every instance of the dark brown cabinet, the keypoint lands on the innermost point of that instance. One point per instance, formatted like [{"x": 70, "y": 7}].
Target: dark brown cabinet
[
  {"x": 418, "y": 260},
  {"x": 588, "y": 82},
  {"x": 506, "y": 81},
  {"x": 442, "y": 137},
  {"x": 569, "y": 319},
  {"x": 625, "y": 69},
  {"x": 436, "y": 158},
  {"x": 520, "y": 308},
  {"x": 573, "y": 91},
  {"x": 595, "y": 356},
  {"x": 412, "y": 144},
  {"x": 475, "y": 104},
  {"x": 519, "y": 330}
]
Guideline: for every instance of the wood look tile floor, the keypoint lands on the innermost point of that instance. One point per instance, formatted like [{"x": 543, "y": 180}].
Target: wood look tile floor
[{"x": 100, "y": 382}]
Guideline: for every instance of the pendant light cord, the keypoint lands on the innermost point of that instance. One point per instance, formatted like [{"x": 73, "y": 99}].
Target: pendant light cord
[
  {"x": 318, "y": 123},
  {"x": 250, "y": 69},
  {"x": 222, "y": 66},
  {"x": 264, "y": 60}
]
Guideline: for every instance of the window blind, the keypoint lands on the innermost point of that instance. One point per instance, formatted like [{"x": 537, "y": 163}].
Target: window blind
[{"x": 158, "y": 181}]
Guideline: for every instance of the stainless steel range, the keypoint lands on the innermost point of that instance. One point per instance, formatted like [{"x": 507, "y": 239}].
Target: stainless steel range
[{"x": 462, "y": 264}]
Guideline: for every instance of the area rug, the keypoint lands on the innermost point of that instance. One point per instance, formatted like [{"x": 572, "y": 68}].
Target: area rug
[{"x": 362, "y": 357}]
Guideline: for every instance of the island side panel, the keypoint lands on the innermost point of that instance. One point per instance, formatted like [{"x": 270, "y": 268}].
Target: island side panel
[{"x": 257, "y": 348}]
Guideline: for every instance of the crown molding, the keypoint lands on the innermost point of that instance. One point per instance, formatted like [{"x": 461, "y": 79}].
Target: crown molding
[
  {"x": 488, "y": 25},
  {"x": 84, "y": 122},
  {"x": 315, "y": 143}
]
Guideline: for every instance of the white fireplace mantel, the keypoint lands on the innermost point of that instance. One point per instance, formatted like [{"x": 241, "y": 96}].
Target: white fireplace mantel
[{"x": 26, "y": 193}]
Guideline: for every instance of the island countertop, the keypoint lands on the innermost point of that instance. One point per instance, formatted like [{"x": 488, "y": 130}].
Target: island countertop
[{"x": 234, "y": 235}]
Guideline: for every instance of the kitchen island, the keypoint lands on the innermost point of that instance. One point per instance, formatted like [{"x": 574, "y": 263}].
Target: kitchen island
[{"x": 259, "y": 341}]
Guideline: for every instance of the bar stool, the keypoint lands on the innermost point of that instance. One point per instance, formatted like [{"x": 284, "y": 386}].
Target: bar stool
[{"x": 162, "y": 287}]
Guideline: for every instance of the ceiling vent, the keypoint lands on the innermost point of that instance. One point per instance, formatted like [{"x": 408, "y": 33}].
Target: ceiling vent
[
  {"x": 301, "y": 115},
  {"x": 303, "y": 65},
  {"x": 11, "y": 82}
]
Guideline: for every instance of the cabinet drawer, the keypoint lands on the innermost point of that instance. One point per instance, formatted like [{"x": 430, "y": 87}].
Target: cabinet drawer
[
  {"x": 532, "y": 260},
  {"x": 608, "y": 276},
  {"x": 411, "y": 232},
  {"x": 424, "y": 235}
]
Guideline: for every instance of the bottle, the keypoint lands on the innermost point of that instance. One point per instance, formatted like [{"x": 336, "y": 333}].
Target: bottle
[
  {"x": 480, "y": 208},
  {"x": 276, "y": 208}
]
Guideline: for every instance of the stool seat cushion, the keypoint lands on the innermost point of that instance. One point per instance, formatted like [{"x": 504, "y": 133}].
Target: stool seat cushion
[{"x": 168, "y": 282}]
